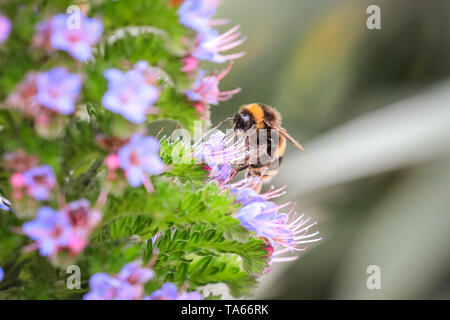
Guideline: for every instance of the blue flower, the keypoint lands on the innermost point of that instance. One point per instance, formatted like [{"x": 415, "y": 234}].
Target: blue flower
[
  {"x": 57, "y": 90},
  {"x": 139, "y": 157},
  {"x": 5, "y": 28},
  {"x": 196, "y": 14},
  {"x": 2, "y": 274},
  {"x": 51, "y": 231},
  {"x": 169, "y": 291},
  {"x": 129, "y": 94},
  {"x": 77, "y": 40},
  {"x": 105, "y": 287},
  {"x": 39, "y": 181}
]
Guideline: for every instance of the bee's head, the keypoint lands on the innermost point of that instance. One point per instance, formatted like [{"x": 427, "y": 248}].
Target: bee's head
[{"x": 243, "y": 120}]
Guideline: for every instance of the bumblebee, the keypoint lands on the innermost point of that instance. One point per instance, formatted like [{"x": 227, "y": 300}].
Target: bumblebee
[{"x": 251, "y": 118}]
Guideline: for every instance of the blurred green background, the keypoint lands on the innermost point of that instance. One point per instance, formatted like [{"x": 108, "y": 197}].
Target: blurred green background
[{"x": 372, "y": 107}]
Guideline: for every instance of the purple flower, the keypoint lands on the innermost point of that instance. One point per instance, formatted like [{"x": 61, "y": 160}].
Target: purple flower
[
  {"x": 217, "y": 151},
  {"x": 127, "y": 285},
  {"x": 253, "y": 218},
  {"x": 77, "y": 40},
  {"x": 139, "y": 157},
  {"x": 133, "y": 273},
  {"x": 196, "y": 14},
  {"x": 282, "y": 229},
  {"x": 51, "y": 231},
  {"x": 57, "y": 90},
  {"x": 4, "y": 204},
  {"x": 221, "y": 172},
  {"x": 66, "y": 229},
  {"x": 2, "y": 274},
  {"x": 207, "y": 151},
  {"x": 5, "y": 28},
  {"x": 39, "y": 181},
  {"x": 206, "y": 88},
  {"x": 245, "y": 191},
  {"x": 210, "y": 44},
  {"x": 218, "y": 154},
  {"x": 169, "y": 291},
  {"x": 129, "y": 94},
  {"x": 105, "y": 287},
  {"x": 246, "y": 196}
]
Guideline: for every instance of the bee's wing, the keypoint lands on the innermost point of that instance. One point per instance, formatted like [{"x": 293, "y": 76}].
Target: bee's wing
[{"x": 288, "y": 136}]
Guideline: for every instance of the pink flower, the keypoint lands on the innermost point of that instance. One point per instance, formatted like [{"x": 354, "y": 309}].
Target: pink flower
[
  {"x": 112, "y": 164},
  {"x": 83, "y": 220},
  {"x": 24, "y": 98},
  {"x": 17, "y": 181},
  {"x": 190, "y": 64},
  {"x": 42, "y": 35},
  {"x": 41, "y": 95},
  {"x": 200, "y": 107},
  {"x": 206, "y": 88}
]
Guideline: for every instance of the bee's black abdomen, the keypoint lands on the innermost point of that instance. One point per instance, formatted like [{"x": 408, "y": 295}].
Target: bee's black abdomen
[{"x": 271, "y": 115}]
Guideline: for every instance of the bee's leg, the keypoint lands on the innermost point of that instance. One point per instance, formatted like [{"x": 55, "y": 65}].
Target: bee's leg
[
  {"x": 237, "y": 170},
  {"x": 256, "y": 183}
]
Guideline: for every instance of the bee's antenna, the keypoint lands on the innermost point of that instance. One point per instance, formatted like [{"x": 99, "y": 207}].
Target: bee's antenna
[
  {"x": 222, "y": 123},
  {"x": 211, "y": 130}
]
